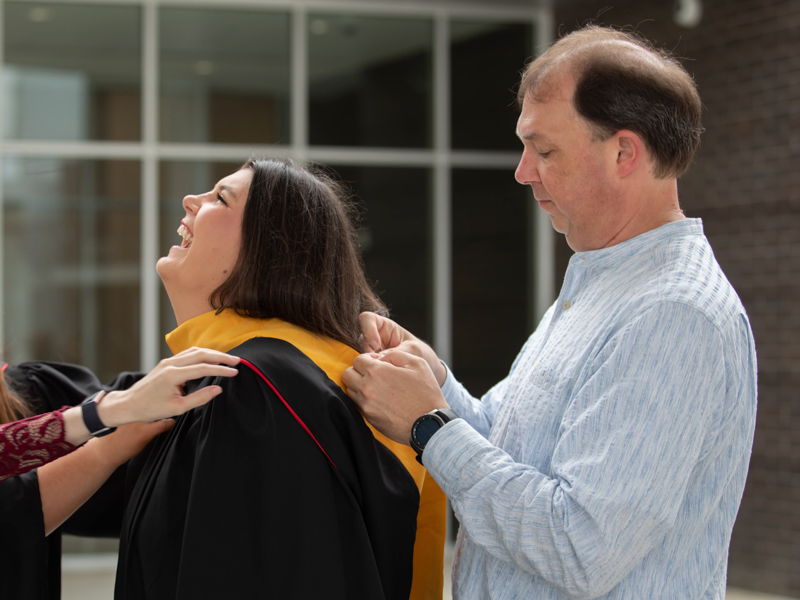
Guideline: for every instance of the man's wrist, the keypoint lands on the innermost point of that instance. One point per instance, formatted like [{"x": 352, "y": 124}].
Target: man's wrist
[{"x": 426, "y": 426}]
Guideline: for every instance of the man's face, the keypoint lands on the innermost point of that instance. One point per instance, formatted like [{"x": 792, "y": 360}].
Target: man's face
[{"x": 572, "y": 176}]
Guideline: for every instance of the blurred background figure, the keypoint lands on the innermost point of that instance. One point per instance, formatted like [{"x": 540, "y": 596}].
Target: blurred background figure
[{"x": 111, "y": 110}]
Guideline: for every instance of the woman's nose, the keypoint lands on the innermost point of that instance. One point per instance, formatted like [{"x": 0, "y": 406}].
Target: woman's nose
[{"x": 190, "y": 203}]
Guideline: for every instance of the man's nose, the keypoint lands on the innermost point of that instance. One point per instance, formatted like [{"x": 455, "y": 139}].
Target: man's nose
[{"x": 526, "y": 172}]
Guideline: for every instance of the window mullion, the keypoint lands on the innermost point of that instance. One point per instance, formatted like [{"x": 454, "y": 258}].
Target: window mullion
[
  {"x": 149, "y": 346},
  {"x": 441, "y": 229}
]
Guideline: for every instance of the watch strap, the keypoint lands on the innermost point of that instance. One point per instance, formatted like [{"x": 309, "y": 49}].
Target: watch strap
[
  {"x": 447, "y": 414},
  {"x": 441, "y": 416},
  {"x": 92, "y": 419}
]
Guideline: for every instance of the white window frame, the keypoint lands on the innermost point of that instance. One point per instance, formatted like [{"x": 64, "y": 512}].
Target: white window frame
[{"x": 441, "y": 159}]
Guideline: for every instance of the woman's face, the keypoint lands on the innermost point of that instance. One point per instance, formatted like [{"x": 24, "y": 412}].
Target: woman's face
[{"x": 211, "y": 231}]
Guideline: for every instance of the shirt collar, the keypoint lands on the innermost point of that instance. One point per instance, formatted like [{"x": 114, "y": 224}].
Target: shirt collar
[{"x": 606, "y": 257}]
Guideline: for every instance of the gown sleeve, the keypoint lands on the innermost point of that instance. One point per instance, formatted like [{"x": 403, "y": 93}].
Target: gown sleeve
[
  {"x": 30, "y": 563},
  {"x": 49, "y": 388},
  {"x": 46, "y": 386}
]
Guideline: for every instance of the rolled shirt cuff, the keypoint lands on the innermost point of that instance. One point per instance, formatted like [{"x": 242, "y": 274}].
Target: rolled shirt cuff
[{"x": 452, "y": 453}]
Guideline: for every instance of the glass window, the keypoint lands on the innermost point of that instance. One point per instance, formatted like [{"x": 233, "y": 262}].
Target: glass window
[
  {"x": 395, "y": 239},
  {"x": 486, "y": 59},
  {"x": 179, "y": 179},
  {"x": 224, "y": 76},
  {"x": 370, "y": 81},
  {"x": 71, "y": 72},
  {"x": 71, "y": 262},
  {"x": 491, "y": 282}
]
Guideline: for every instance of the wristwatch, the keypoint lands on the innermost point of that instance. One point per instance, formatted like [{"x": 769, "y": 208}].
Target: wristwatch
[
  {"x": 423, "y": 429},
  {"x": 92, "y": 420}
]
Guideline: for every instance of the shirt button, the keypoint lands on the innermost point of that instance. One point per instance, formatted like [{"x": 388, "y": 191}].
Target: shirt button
[{"x": 567, "y": 304}]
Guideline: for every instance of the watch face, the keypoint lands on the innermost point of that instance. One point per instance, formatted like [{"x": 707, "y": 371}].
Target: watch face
[{"x": 425, "y": 430}]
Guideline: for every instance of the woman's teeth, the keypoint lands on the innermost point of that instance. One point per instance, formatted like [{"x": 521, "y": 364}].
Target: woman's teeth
[{"x": 187, "y": 237}]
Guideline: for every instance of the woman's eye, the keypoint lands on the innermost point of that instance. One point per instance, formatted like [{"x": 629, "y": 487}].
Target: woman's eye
[{"x": 221, "y": 199}]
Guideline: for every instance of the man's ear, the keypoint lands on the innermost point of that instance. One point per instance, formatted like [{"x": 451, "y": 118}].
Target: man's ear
[{"x": 630, "y": 151}]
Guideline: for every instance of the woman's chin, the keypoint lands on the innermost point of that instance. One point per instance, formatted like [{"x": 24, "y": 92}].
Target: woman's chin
[
  {"x": 170, "y": 263},
  {"x": 162, "y": 266}
]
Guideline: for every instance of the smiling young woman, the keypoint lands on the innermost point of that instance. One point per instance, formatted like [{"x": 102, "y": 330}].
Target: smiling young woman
[{"x": 279, "y": 485}]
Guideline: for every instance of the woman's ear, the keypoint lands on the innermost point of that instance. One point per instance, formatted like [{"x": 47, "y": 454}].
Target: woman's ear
[{"x": 630, "y": 151}]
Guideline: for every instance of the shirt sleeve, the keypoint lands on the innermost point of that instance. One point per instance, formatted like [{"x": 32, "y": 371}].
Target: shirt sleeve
[
  {"x": 629, "y": 440},
  {"x": 31, "y": 443},
  {"x": 479, "y": 414}
]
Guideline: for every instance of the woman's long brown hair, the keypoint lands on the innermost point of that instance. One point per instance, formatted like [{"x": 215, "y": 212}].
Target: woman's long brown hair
[
  {"x": 11, "y": 407},
  {"x": 299, "y": 259}
]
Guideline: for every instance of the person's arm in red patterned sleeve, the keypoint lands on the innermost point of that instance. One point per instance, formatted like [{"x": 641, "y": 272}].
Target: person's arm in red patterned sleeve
[
  {"x": 35, "y": 441},
  {"x": 32, "y": 442}
]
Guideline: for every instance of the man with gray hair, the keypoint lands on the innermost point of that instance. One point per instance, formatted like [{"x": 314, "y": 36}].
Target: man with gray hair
[{"x": 611, "y": 461}]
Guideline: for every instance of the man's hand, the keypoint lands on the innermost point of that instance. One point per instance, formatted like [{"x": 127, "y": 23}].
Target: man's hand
[
  {"x": 392, "y": 390},
  {"x": 380, "y": 333}
]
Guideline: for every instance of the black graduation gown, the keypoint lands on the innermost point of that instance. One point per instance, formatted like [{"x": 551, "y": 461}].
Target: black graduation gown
[
  {"x": 238, "y": 500},
  {"x": 30, "y": 563}
]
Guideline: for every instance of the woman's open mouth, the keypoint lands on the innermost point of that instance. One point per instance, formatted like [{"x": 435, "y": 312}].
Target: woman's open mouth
[{"x": 187, "y": 236}]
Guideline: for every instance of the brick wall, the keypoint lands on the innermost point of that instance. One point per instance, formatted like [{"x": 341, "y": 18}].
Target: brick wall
[{"x": 745, "y": 185}]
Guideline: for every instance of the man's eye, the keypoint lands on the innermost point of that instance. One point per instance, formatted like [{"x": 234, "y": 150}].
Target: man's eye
[{"x": 545, "y": 154}]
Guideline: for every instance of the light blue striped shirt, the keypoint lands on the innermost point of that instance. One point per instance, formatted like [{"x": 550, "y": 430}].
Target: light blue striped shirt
[{"x": 612, "y": 459}]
